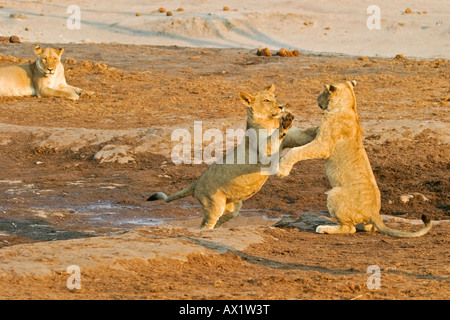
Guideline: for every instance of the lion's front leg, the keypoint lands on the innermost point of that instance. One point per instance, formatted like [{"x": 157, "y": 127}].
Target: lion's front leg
[
  {"x": 286, "y": 122},
  {"x": 50, "y": 92},
  {"x": 297, "y": 137},
  {"x": 286, "y": 164},
  {"x": 80, "y": 91},
  {"x": 313, "y": 150}
]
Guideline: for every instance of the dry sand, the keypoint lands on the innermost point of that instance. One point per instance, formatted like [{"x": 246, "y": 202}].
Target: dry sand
[{"x": 311, "y": 26}]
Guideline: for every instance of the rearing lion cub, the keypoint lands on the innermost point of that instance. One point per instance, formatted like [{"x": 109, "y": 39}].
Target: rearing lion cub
[
  {"x": 223, "y": 186},
  {"x": 355, "y": 197},
  {"x": 43, "y": 78}
]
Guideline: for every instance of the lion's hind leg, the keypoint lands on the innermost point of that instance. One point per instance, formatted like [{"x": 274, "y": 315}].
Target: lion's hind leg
[
  {"x": 339, "y": 203},
  {"x": 231, "y": 211},
  {"x": 213, "y": 209},
  {"x": 367, "y": 227},
  {"x": 339, "y": 229}
]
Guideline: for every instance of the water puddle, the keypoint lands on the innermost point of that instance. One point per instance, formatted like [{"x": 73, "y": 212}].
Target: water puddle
[
  {"x": 70, "y": 209},
  {"x": 106, "y": 213}
]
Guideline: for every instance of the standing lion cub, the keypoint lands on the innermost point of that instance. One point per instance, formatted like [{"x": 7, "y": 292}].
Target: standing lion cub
[
  {"x": 355, "y": 197},
  {"x": 43, "y": 78},
  {"x": 223, "y": 186}
]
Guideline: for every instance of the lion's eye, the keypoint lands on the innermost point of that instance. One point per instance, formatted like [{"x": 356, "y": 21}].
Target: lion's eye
[{"x": 266, "y": 100}]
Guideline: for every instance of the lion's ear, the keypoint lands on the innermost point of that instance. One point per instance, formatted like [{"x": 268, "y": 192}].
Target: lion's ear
[
  {"x": 353, "y": 82},
  {"x": 60, "y": 51},
  {"x": 246, "y": 98},
  {"x": 271, "y": 88},
  {"x": 331, "y": 88},
  {"x": 38, "y": 50}
]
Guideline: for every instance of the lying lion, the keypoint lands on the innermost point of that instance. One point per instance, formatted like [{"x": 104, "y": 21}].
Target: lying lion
[
  {"x": 223, "y": 186},
  {"x": 43, "y": 78},
  {"x": 355, "y": 197}
]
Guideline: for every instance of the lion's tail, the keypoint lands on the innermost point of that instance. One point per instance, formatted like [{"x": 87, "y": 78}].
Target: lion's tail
[
  {"x": 379, "y": 224},
  {"x": 188, "y": 191}
]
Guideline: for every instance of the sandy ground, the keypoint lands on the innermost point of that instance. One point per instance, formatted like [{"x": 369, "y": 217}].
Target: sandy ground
[
  {"x": 309, "y": 25},
  {"x": 75, "y": 175}
]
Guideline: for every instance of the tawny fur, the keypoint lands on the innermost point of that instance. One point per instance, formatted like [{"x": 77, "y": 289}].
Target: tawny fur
[
  {"x": 354, "y": 197},
  {"x": 222, "y": 187},
  {"x": 43, "y": 78}
]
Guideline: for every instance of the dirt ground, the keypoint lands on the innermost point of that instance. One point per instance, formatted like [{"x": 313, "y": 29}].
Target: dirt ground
[{"x": 74, "y": 178}]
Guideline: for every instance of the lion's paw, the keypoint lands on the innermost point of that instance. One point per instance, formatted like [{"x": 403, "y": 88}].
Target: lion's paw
[
  {"x": 287, "y": 121},
  {"x": 73, "y": 96},
  {"x": 88, "y": 93},
  {"x": 321, "y": 229},
  {"x": 283, "y": 170}
]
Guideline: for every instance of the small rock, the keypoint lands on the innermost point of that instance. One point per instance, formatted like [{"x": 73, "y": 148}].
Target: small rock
[
  {"x": 169, "y": 13},
  {"x": 114, "y": 153},
  {"x": 406, "y": 197},
  {"x": 264, "y": 52},
  {"x": 138, "y": 14},
  {"x": 306, "y": 222},
  {"x": 162, "y": 10},
  {"x": 17, "y": 16},
  {"x": 417, "y": 194},
  {"x": 283, "y": 52},
  {"x": 226, "y": 9},
  {"x": 14, "y": 39},
  {"x": 408, "y": 11},
  {"x": 287, "y": 53}
]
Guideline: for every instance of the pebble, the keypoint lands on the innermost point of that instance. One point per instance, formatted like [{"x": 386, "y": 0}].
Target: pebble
[{"x": 264, "y": 52}]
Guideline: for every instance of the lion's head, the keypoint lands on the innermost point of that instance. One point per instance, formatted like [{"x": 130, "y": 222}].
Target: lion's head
[
  {"x": 336, "y": 97},
  {"x": 48, "y": 59},
  {"x": 264, "y": 104}
]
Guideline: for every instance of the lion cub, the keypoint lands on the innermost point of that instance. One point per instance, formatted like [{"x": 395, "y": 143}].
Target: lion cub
[
  {"x": 355, "y": 197},
  {"x": 43, "y": 78},
  {"x": 222, "y": 187}
]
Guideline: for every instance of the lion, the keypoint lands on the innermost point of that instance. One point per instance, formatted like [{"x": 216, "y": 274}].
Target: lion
[
  {"x": 42, "y": 78},
  {"x": 354, "y": 197},
  {"x": 223, "y": 186}
]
